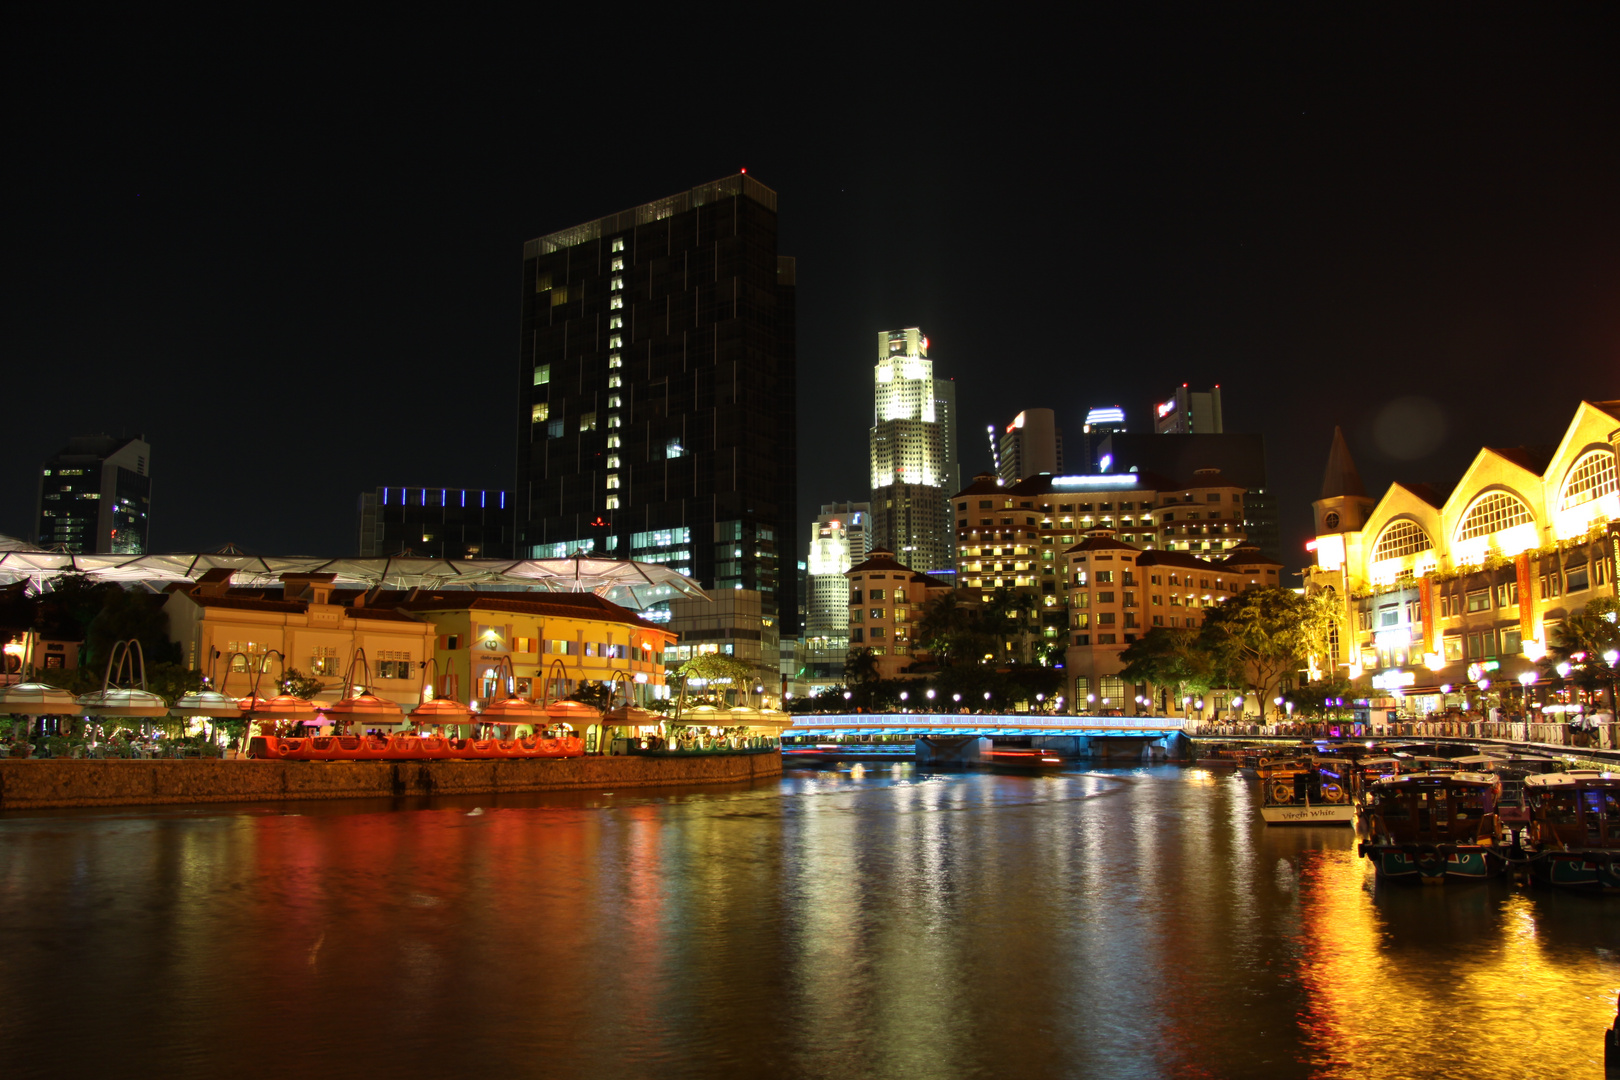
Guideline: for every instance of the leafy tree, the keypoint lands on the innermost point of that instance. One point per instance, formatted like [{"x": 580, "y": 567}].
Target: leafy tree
[
  {"x": 72, "y": 603},
  {"x": 1312, "y": 699},
  {"x": 171, "y": 681},
  {"x": 593, "y": 692},
  {"x": 712, "y": 669},
  {"x": 951, "y": 632},
  {"x": 860, "y": 667},
  {"x": 298, "y": 684},
  {"x": 1581, "y": 641},
  {"x": 127, "y": 614},
  {"x": 1262, "y": 634},
  {"x": 1052, "y": 650},
  {"x": 1172, "y": 657}
]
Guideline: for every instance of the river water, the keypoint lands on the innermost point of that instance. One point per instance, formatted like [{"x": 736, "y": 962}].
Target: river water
[{"x": 838, "y": 923}]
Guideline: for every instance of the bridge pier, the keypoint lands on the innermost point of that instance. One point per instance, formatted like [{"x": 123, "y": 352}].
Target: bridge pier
[{"x": 952, "y": 750}]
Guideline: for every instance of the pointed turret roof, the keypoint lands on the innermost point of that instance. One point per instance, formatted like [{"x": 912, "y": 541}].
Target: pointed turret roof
[{"x": 1341, "y": 478}]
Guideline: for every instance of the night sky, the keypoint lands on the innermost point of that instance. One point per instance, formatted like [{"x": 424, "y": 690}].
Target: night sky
[{"x": 290, "y": 253}]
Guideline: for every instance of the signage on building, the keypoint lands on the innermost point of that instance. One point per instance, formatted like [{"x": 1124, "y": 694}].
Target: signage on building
[
  {"x": 1167, "y": 408},
  {"x": 1477, "y": 670}
]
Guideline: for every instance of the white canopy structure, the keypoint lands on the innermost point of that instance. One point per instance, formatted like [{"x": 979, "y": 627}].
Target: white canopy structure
[{"x": 634, "y": 585}]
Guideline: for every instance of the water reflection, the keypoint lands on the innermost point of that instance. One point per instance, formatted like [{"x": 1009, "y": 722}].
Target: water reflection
[{"x": 1132, "y": 923}]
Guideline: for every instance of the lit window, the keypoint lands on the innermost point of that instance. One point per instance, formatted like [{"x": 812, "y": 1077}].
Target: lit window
[
  {"x": 674, "y": 449},
  {"x": 612, "y": 502},
  {"x": 542, "y": 374},
  {"x": 615, "y": 360},
  {"x": 614, "y": 401},
  {"x": 1493, "y": 513},
  {"x": 613, "y": 461},
  {"x": 613, "y": 442},
  {"x": 612, "y": 480},
  {"x": 614, "y": 421},
  {"x": 618, "y": 264},
  {"x": 618, "y": 245},
  {"x": 616, "y": 284},
  {"x": 587, "y": 422},
  {"x": 541, "y": 411},
  {"x": 615, "y": 342},
  {"x": 616, "y": 303},
  {"x": 614, "y": 381}
]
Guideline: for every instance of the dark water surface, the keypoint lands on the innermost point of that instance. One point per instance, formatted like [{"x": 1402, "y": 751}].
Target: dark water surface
[{"x": 886, "y": 923}]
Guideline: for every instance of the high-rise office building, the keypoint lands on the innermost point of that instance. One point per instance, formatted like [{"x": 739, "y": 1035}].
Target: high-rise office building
[
  {"x": 1031, "y": 444},
  {"x": 439, "y": 523},
  {"x": 913, "y": 453},
  {"x": 657, "y": 392},
  {"x": 95, "y": 496},
  {"x": 1101, "y": 422},
  {"x": 1189, "y": 413},
  {"x": 837, "y": 542}
]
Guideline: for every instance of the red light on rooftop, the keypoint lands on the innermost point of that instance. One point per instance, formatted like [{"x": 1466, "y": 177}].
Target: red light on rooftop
[{"x": 745, "y": 172}]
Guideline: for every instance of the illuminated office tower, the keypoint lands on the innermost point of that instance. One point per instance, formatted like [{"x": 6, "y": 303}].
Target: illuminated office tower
[
  {"x": 1189, "y": 413},
  {"x": 95, "y": 495},
  {"x": 913, "y": 447},
  {"x": 656, "y": 393},
  {"x": 1101, "y": 422},
  {"x": 837, "y": 542},
  {"x": 1031, "y": 444}
]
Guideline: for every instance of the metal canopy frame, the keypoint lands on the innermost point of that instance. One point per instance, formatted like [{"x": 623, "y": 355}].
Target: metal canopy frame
[{"x": 629, "y": 584}]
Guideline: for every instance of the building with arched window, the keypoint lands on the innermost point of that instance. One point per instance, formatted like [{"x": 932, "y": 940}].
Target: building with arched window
[{"x": 1445, "y": 589}]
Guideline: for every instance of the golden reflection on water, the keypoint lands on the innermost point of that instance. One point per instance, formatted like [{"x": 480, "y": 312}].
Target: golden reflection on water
[{"x": 1402, "y": 981}]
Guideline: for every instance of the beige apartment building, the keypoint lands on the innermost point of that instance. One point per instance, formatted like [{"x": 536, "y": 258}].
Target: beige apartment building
[
  {"x": 886, "y": 599},
  {"x": 1119, "y": 592}
]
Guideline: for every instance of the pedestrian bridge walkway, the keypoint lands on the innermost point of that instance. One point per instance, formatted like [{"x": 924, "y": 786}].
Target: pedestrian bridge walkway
[{"x": 988, "y": 724}]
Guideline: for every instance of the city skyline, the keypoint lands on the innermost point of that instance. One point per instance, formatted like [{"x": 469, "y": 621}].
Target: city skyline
[{"x": 1357, "y": 232}]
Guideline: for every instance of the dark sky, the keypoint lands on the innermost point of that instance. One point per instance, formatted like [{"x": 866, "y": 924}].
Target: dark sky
[{"x": 290, "y": 252}]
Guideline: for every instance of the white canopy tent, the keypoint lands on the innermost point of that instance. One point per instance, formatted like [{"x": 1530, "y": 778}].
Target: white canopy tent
[{"x": 634, "y": 585}]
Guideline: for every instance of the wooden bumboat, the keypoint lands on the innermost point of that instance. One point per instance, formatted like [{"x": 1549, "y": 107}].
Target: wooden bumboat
[
  {"x": 1313, "y": 796},
  {"x": 1511, "y": 806},
  {"x": 1434, "y": 826},
  {"x": 1573, "y": 839},
  {"x": 410, "y": 748}
]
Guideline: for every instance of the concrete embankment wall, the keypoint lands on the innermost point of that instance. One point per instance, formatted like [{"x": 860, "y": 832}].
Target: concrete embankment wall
[{"x": 32, "y": 784}]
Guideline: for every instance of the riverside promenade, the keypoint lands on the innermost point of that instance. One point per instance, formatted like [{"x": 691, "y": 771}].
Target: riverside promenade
[{"x": 58, "y": 782}]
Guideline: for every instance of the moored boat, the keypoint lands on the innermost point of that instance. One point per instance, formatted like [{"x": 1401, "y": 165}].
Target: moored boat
[
  {"x": 1573, "y": 839},
  {"x": 1434, "y": 826},
  {"x": 1312, "y": 796}
]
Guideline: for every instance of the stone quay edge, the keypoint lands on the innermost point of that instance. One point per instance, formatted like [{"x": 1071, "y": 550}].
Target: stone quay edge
[{"x": 54, "y": 783}]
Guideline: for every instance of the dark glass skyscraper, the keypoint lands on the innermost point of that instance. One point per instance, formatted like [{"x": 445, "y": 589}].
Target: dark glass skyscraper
[
  {"x": 657, "y": 392},
  {"x": 441, "y": 523},
  {"x": 95, "y": 496}
]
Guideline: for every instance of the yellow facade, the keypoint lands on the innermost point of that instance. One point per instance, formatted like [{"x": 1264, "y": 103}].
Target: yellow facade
[
  {"x": 476, "y": 635},
  {"x": 1441, "y": 590},
  {"x": 317, "y": 636}
]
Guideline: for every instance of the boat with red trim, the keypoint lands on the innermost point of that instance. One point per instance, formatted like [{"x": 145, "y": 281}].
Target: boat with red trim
[{"x": 1434, "y": 827}]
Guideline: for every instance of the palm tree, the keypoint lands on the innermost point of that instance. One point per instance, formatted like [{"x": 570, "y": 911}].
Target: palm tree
[
  {"x": 948, "y": 631},
  {"x": 1581, "y": 641}
]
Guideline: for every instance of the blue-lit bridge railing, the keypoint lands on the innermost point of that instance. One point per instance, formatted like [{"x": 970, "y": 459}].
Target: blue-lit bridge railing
[{"x": 920, "y": 724}]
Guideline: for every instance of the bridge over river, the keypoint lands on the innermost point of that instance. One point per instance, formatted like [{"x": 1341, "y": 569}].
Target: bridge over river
[{"x": 964, "y": 738}]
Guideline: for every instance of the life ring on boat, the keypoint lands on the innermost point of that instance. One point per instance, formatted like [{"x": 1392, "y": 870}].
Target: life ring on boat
[
  {"x": 1332, "y": 793},
  {"x": 1281, "y": 792}
]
